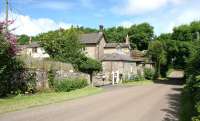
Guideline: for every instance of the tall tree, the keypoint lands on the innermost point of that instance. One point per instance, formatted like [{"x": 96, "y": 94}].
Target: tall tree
[
  {"x": 62, "y": 45},
  {"x": 158, "y": 54},
  {"x": 90, "y": 66},
  {"x": 116, "y": 34},
  {"x": 23, "y": 39},
  {"x": 141, "y": 35}
]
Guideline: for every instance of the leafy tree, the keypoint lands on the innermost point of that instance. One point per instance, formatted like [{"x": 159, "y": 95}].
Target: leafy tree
[
  {"x": 165, "y": 36},
  {"x": 141, "y": 35},
  {"x": 171, "y": 50},
  {"x": 13, "y": 76},
  {"x": 86, "y": 30},
  {"x": 62, "y": 45},
  {"x": 116, "y": 34},
  {"x": 158, "y": 54},
  {"x": 186, "y": 32},
  {"x": 23, "y": 39},
  {"x": 193, "y": 61},
  {"x": 90, "y": 66}
]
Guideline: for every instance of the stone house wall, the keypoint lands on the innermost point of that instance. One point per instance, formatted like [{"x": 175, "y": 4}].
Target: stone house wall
[
  {"x": 125, "y": 68},
  {"x": 95, "y": 51},
  {"x": 100, "y": 47},
  {"x": 90, "y": 51}
]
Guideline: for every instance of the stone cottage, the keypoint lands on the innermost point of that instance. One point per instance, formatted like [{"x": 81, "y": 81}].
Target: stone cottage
[
  {"x": 33, "y": 49},
  {"x": 116, "y": 58}
]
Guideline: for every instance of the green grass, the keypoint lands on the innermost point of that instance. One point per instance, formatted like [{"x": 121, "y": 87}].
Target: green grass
[
  {"x": 135, "y": 83},
  {"x": 21, "y": 102}
]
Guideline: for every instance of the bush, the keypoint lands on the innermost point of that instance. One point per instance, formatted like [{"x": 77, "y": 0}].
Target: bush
[
  {"x": 149, "y": 73},
  {"x": 132, "y": 78},
  {"x": 192, "y": 101},
  {"x": 70, "y": 84}
]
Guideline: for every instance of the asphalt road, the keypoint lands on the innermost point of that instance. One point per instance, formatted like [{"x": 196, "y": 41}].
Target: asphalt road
[{"x": 156, "y": 102}]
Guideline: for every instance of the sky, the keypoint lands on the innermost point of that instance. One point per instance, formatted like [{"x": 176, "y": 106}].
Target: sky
[{"x": 36, "y": 16}]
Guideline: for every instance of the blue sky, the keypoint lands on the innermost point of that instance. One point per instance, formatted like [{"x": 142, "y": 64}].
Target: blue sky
[{"x": 36, "y": 16}]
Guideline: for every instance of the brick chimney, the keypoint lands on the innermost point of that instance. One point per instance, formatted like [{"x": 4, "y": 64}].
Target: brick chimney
[
  {"x": 30, "y": 40},
  {"x": 127, "y": 39}
]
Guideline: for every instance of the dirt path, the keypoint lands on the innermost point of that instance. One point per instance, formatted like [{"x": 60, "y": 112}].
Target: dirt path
[{"x": 157, "y": 102}]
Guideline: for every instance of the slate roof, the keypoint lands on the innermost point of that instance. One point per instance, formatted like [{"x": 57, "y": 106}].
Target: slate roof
[
  {"x": 114, "y": 45},
  {"x": 32, "y": 45},
  {"x": 91, "y": 38},
  {"x": 119, "y": 57}
]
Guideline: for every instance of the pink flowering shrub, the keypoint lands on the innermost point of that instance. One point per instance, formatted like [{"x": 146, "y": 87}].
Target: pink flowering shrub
[{"x": 9, "y": 37}]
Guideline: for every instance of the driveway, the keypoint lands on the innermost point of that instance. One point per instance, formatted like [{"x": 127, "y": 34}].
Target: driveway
[{"x": 156, "y": 102}]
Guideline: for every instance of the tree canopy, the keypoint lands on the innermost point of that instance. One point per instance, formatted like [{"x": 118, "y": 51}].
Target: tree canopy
[
  {"x": 140, "y": 35},
  {"x": 62, "y": 45},
  {"x": 116, "y": 34},
  {"x": 158, "y": 55},
  {"x": 90, "y": 66}
]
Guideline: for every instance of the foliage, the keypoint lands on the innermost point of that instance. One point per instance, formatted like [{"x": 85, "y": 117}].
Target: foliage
[
  {"x": 149, "y": 73},
  {"x": 116, "y": 34},
  {"x": 158, "y": 54},
  {"x": 141, "y": 35},
  {"x": 90, "y": 66},
  {"x": 186, "y": 32},
  {"x": 70, "y": 84},
  {"x": 193, "y": 79},
  {"x": 23, "y": 39},
  {"x": 62, "y": 45},
  {"x": 85, "y": 30},
  {"x": 134, "y": 78},
  {"x": 186, "y": 106},
  {"x": 14, "y": 78}
]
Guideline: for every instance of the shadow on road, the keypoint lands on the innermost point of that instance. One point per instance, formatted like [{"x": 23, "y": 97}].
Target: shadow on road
[
  {"x": 172, "y": 113},
  {"x": 171, "y": 81}
]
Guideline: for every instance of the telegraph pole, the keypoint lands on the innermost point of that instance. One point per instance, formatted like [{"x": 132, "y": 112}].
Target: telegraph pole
[
  {"x": 198, "y": 36},
  {"x": 6, "y": 16}
]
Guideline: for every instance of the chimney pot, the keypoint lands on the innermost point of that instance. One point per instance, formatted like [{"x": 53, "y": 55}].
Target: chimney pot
[
  {"x": 101, "y": 28},
  {"x": 30, "y": 40}
]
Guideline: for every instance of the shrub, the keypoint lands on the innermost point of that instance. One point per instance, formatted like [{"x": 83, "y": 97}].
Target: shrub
[
  {"x": 70, "y": 84},
  {"x": 149, "y": 73},
  {"x": 132, "y": 78}
]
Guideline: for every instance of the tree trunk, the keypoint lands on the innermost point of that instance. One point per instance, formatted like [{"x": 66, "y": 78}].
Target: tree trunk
[
  {"x": 157, "y": 75},
  {"x": 159, "y": 69},
  {"x": 91, "y": 82}
]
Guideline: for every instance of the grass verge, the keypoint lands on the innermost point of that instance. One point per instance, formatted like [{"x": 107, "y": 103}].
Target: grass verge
[
  {"x": 21, "y": 102},
  {"x": 137, "y": 83}
]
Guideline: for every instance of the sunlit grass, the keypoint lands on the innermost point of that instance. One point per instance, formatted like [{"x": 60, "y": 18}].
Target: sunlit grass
[
  {"x": 143, "y": 82},
  {"x": 21, "y": 102}
]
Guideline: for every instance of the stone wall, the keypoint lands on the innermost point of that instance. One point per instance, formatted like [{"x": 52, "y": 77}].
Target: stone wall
[{"x": 42, "y": 77}]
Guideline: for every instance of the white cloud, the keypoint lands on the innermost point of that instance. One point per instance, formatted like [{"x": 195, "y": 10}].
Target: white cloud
[
  {"x": 185, "y": 17},
  {"x": 165, "y": 23},
  {"x": 135, "y": 7},
  {"x": 30, "y": 26}
]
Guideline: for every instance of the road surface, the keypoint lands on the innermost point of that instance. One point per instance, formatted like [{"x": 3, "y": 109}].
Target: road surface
[{"x": 156, "y": 102}]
